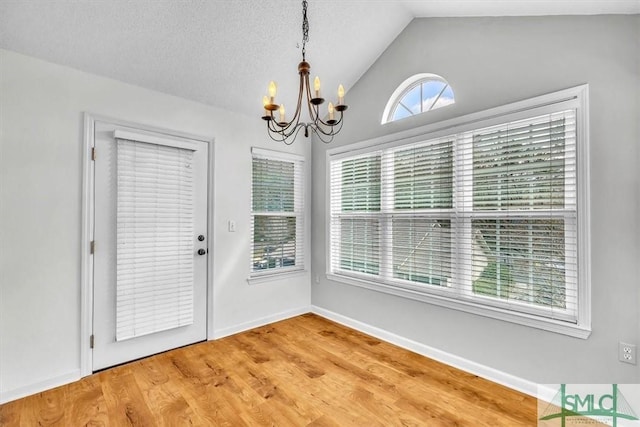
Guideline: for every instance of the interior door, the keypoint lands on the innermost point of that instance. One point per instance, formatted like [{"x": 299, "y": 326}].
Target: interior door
[{"x": 150, "y": 251}]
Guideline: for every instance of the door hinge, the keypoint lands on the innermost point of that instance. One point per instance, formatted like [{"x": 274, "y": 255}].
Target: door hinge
[
  {"x": 91, "y": 341},
  {"x": 93, "y": 153},
  {"x": 92, "y": 247}
]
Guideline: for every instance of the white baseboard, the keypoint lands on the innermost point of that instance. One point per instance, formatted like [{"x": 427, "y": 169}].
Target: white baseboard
[
  {"x": 491, "y": 374},
  {"x": 225, "y": 332},
  {"x": 28, "y": 390}
]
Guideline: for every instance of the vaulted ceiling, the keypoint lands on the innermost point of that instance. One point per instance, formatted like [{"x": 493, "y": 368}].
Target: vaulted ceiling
[{"x": 224, "y": 52}]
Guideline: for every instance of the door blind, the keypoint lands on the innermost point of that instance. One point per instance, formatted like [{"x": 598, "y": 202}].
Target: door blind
[{"x": 155, "y": 247}]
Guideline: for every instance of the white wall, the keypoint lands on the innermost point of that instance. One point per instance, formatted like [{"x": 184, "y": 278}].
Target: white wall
[
  {"x": 491, "y": 62},
  {"x": 41, "y": 135}
]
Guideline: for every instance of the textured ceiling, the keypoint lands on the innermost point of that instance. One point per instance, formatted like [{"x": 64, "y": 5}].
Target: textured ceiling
[{"x": 224, "y": 52}]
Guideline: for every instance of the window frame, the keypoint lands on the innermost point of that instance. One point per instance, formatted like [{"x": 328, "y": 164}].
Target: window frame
[
  {"x": 574, "y": 98},
  {"x": 259, "y": 276},
  {"x": 407, "y": 86}
]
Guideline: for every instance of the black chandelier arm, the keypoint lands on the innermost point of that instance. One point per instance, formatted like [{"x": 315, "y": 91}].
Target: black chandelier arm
[
  {"x": 287, "y": 129},
  {"x": 323, "y": 136},
  {"x": 314, "y": 110},
  {"x": 295, "y": 121},
  {"x": 310, "y": 106},
  {"x": 287, "y": 137},
  {"x": 325, "y": 129},
  {"x": 296, "y": 116},
  {"x": 327, "y": 124}
]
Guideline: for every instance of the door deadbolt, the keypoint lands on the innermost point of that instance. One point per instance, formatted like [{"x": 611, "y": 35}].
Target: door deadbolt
[
  {"x": 201, "y": 251},
  {"x": 201, "y": 237}
]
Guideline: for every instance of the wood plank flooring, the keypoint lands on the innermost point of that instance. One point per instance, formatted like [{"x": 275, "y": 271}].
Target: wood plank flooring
[{"x": 305, "y": 371}]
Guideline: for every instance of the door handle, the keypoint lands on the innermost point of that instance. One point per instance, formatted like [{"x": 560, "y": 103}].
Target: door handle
[{"x": 201, "y": 251}]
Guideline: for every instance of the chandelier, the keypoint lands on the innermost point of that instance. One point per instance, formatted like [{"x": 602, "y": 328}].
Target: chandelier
[{"x": 279, "y": 128}]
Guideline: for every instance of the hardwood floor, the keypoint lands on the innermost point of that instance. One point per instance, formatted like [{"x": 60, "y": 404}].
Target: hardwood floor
[{"x": 305, "y": 371}]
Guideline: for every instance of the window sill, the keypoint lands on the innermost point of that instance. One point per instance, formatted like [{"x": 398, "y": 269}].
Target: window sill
[
  {"x": 273, "y": 276},
  {"x": 552, "y": 325}
]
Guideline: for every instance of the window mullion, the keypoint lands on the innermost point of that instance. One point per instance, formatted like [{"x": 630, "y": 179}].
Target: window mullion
[
  {"x": 386, "y": 209},
  {"x": 463, "y": 205},
  {"x": 335, "y": 202}
]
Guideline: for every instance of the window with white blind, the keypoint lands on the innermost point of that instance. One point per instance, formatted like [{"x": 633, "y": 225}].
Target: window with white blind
[
  {"x": 488, "y": 216},
  {"x": 277, "y": 216}
]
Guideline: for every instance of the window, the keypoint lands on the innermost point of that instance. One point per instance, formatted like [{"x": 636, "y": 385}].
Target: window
[
  {"x": 277, "y": 221},
  {"x": 483, "y": 216},
  {"x": 418, "y": 94}
]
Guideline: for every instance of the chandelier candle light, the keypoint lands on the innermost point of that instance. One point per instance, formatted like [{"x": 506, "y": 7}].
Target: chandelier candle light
[{"x": 286, "y": 131}]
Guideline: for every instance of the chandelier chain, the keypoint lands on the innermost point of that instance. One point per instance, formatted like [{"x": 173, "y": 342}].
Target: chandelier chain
[{"x": 305, "y": 29}]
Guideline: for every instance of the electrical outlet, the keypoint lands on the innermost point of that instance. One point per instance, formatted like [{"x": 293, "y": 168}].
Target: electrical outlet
[{"x": 627, "y": 353}]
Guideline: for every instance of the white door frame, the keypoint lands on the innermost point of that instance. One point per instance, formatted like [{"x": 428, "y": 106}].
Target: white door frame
[{"x": 88, "y": 203}]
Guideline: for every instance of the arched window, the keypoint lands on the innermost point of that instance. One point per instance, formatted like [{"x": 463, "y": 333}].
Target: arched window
[{"x": 418, "y": 94}]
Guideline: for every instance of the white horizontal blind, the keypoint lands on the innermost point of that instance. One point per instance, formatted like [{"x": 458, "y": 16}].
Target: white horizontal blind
[
  {"x": 355, "y": 214},
  {"x": 277, "y": 220},
  {"x": 421, "y": 211},
  {"x": 519, "y": 214},
  {"x": 487, "y": 216},
  {"x": 155, "y": 247}
]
